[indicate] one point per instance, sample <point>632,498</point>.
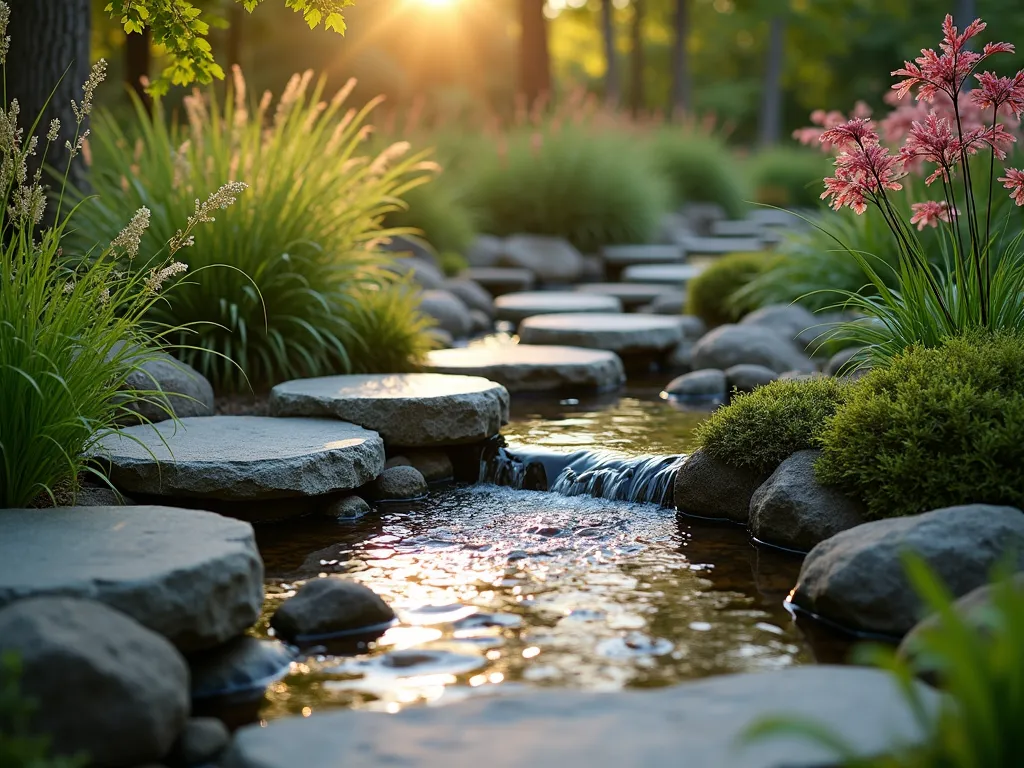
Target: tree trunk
<point>137,61</point>
<point>612,93</point>
<point>46,37</point>
<point>637,95</point>
<point>771,97</point>
<point>236,20</point>
<point>966,12</point>
<point>534,58</point>
<point>680,61</point>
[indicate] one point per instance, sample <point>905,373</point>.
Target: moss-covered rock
<point>710,294</point>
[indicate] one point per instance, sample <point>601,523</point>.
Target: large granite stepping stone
<point>533,368</point>
<point>412,409</point>
<point>737,228</point>
<point>501,280</point>
<point>194,577</point>
<point>694,724</point>
<point>242,458</point>
<point>631,295</point>
<point>623,334</point>
<point>626,255</point>
<point>719,246</point>
<point>516,307</point>
<point>671,275</point>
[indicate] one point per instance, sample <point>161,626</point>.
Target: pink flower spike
<point>862,172</point>
<point>859,130</point>
<point>1014,181</point>
<point>994,92</point>
<point>991,48</point>
<point>930,213</point>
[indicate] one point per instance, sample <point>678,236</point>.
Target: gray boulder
<point>485,251</point>
<point>482,324</point>
<point>241,669</point>
<point>413,247</point>
<point>177,389</point>
<point>704,384</point>
<point>680,359</point>
<point>672,303</point>
<point>423,272</point>
<point>747,378</point>
<point>472,294</point>
<point>202,741</point>
<point>551,259</point>
<point>440,338</point>
<point>793,510</point>
<point>693,327</point>
<point>450,313</point>
<point>730,345</point>
<point>432,464</point>
<point>857,580</point>
<point>105,685</point>
<point>348,507</point>
<point>838,362</point>
<point>330,606</point>
<point>399,483</point>
<point>707,487</point>
<point>788,320</point>
<point>593,270</point>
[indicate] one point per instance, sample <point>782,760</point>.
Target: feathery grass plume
<point>275,286</point>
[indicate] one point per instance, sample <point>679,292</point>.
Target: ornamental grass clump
<point>72,331</point>
<point>276,285</point>
<point>699,168</point>
<point>935,428</point>
<point>972,284</point>
<point>715,294</point>
<point>760,429</point>
<point>787,177</point>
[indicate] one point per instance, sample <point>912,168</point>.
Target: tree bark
<point>534,58</point>
<point>612,91</point>
<point>137,62</point>
<point>636,90</point>
<point>680,61</point>
<point>236,20</point>
<point>771,97</point>
<point>50,47</point>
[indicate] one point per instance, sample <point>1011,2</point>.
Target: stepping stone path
<point>631,295</point>
<point>672,275</point>
<point>194,577</point>
<point>623,334</point>
<point>516,307</point>
<point>501,280</point>
<point>703,721</point>
<point>242,458</point>
<point>533,368</point>
<point>718,246</point>
<point>412,410</point>
<point>738,228</point>
<point>627,255</point>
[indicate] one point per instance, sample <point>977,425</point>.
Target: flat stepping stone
<point>670,275</point>
<point>623,334</point>
<point>718,246</point>
<point>242,458</point>
<point>700,723</point>
<point>631,295</point>
<point>516,307</point>
<point>625,255</point>
<point>413,410</point>
<point>194,577</point>
<point>533,368</point>
<point>501,280</point>
<point>737,228</point>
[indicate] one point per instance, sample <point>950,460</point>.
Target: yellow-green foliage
<point>936,428</point>
<point>710,295</point>
<point>700,169</point>
<point>759,430</point>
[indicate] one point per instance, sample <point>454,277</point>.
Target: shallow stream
<point>497,588</point>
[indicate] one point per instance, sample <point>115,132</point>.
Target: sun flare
<point>437,3</point>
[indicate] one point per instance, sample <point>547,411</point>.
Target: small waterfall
<point>602,474</point>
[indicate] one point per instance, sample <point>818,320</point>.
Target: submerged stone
<point>241,668</point>
<point>534,368</point>
<point>242,458</point>
<point>400,483</point>
<point>330,606</point>
<point>413,409</point>
<point>194,577</point>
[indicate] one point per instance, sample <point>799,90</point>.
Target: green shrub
<point>935,428</point>
<point>277,276</point>
<point>789,177</point>
<point>438,215</point>
<point>760,429</point>
<point>592,188</point>
<point>700,169</point>
<point>388,323</point>
<point>712,295</point>
<point>453,264</point>
<point>19,746</point>
<point>71,334</point>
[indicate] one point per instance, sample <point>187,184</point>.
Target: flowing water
<point>498,588</point>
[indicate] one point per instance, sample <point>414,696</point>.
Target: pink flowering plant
<point>971,284</point>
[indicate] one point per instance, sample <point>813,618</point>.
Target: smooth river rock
<point>399,483</point>
<point>697,724</point>
<point>416,410</point>
<point>787,320</point>
<point>194,577</point>
<point>730,345</point>
<point>533,367</point>
<point>177,388</point>
<point>330,606</point>
<point>707,487</point>
<point>449,312</point>
<point>551,259</point>
<point>706,384</point>
<point>856,579</point>
<point>516,307</point>
<point>747,378</point>
<point>622,334</point>
<point>793,510</point>
<point>103,684</point>
<point>242,458</point>
<point>472,294</point>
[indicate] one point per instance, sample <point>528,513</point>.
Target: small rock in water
<point>348,508</point>
<point>399,484</point>
<point>397,461</point>
<point>634,644</point>
<point>330,606</point>
<point>201,742</point>
<point>242,667</point>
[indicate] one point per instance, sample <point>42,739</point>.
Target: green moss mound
<point>789,177</point>
<point>711,295</point>
<point>761,429</point>
<point>938,427</point>
<point>700,169</point>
